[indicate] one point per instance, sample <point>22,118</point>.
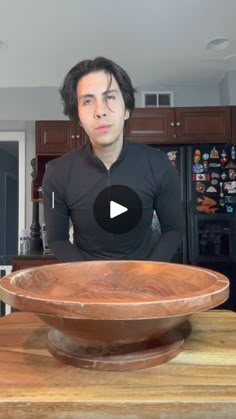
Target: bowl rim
<point>205,299</point>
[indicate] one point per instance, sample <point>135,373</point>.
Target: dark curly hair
<point>68,88</point>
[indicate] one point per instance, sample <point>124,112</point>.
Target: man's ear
<point>127,114</point>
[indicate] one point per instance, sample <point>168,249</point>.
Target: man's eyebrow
<point>110,91</point>
<point>87,95</point>
<point>90,95</point>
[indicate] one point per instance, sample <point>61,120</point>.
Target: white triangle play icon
<point>116,209</point>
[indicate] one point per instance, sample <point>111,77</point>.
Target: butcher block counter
<point>199,383</point>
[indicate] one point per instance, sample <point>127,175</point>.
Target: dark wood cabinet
<point>58,137</point>
<point>53,139</point>
<point>180,125</point>
<point>152,125</point>
<point>203,125</point>
<point>233,124</point>
<point>40,167</point>
<point>196,125</point>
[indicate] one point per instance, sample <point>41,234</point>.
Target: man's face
<point>101,108</point>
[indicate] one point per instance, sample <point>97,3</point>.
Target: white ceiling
<point>157,41</point>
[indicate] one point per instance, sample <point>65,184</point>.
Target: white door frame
<point>18,136</point>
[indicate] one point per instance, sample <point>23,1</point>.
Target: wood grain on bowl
<point>115,314</point>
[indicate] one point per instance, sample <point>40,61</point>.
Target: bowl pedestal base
<point>116,356</point>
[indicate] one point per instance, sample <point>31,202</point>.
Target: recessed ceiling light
<point>218,44</point>
<point>3,44</point>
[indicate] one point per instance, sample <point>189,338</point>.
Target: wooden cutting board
<point>199,383</point>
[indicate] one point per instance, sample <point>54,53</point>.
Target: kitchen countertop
<point>35,256</point>
<point>199,383</point>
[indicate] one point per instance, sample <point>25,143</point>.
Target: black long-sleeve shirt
<point>76,179</point>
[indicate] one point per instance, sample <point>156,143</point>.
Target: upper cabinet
<point>233,122</point>
<point>58,137</point>
<point>180,125</point>
<point>53,138</point>
<point>147,125</point>
<point>201,125</point>
<point>151,125</point>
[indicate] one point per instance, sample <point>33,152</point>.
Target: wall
<point>232,87</point>
<point>42,103</point>
<point>224,91</point>
<point>30,104</point>
<point>227,89</point>
<point>186,95</point>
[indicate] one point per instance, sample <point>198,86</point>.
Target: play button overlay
<point>118,209</point>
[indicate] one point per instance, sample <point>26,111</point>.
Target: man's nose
<point>101,109</point>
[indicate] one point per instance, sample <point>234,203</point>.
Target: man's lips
<point>103,128</point>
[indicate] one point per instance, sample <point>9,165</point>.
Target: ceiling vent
<point>157,99</point>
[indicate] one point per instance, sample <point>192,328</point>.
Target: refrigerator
<point>207,174</point>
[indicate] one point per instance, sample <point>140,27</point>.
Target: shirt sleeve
<point>170,213</point>
<point>56,215</point>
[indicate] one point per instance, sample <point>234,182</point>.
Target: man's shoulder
<point>132,145</point>
<point>67,159</point>
<point>152,153</point>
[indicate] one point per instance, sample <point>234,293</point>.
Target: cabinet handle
<point>73,137</point>
<point>78,136</point>
<point>44,138</point>
<point>172,124</point>
<point>178,124</point>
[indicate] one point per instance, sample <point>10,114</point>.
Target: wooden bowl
<point>115,315</point>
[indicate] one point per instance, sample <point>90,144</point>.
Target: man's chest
<point>82,192</point>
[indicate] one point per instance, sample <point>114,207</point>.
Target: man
<point>79,185</point>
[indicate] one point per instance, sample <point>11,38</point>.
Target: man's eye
<point>87,101</point>
<point>111,97</point>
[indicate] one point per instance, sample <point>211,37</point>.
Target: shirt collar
<point>98,162</point>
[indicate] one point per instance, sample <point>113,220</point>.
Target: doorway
<point>12,191</point>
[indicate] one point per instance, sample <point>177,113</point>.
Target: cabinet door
<point>203,125</point>
<point>233,124</point>
<point>78,137</point>
<point>55,137</point>
<point>151,125</point>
